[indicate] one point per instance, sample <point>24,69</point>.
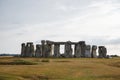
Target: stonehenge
<point>52,49</point>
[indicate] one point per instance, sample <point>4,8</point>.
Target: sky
<point>94,21</point>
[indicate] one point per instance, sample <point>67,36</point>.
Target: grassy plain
<point>12,68</point>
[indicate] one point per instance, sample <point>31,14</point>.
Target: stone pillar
<point>32,50</point>
<point>47,51</point>
<point>83,47</point>
<point>105,52</point>
<point>68,49</point>
<point>87,51</point>
<point>49,45</point>
<point>23,53</point>
<point>56,50</point>
<point>43,48</point>
<point>27,50</point>
<point>93,53</point>
<point>77,50</point>
<point>102,52</point>
<point>38,52</point>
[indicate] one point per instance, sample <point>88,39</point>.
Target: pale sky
<point>95,21</point>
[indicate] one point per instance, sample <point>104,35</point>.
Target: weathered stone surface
<point>38,51</point>
<point>93,53</point>
<point>43,48</point>
<point>77,50</point>
<point>88,51</point>
<point>49,44</point>
<point>102,52</point>
<point>47,50</point>
<point>105,52</point>
<point>56,50</point>
<point>32,50</point>
<point>23,52</point>
<point>83,47</point>
<point>29,50</point>
<point>68,49</point>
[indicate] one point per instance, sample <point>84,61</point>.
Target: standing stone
<point>23,53</point>
<point>56,50</point>
<point>47,51</point>
<point>93,53</point>
<point>31,50</point>
<point>87,51</point>
<point>83,47</point>
<point>27,50</point>
<point>43,48</point>
<point>38,52</point>
<point>77,50</point>
<point>49,45</point>
<point>105,52</point>
<point>102,52</point>
<point>68,49</point>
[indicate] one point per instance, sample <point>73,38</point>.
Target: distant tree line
<point>114,56</point>
<point>7,54</point>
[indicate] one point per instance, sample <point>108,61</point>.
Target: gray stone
<point>38,52</point>
<point>68,49</point>
<point>93,53</point>
<point>29,49</point>
<point>102,52</point>
<point>32,50</point>
<point>77,50</point>
<point>87,51</point>
<point>83,47</point>
<point>49,44</point>
<point>56,50</point>
<point>43,48</point>
<point>47,50</point>
<point>23,52</point>
<point>105,52</point>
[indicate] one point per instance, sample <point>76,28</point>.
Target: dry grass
<point>60,69</point>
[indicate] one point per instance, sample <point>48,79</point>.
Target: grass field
<point>12,68</point>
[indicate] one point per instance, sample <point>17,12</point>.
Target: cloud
<point>114,41</point>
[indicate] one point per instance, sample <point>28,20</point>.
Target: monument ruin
<point>52,49</point>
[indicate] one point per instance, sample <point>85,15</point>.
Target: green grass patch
<point>45,60</point>
<point>9,77</point>
<point>18,62</point>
